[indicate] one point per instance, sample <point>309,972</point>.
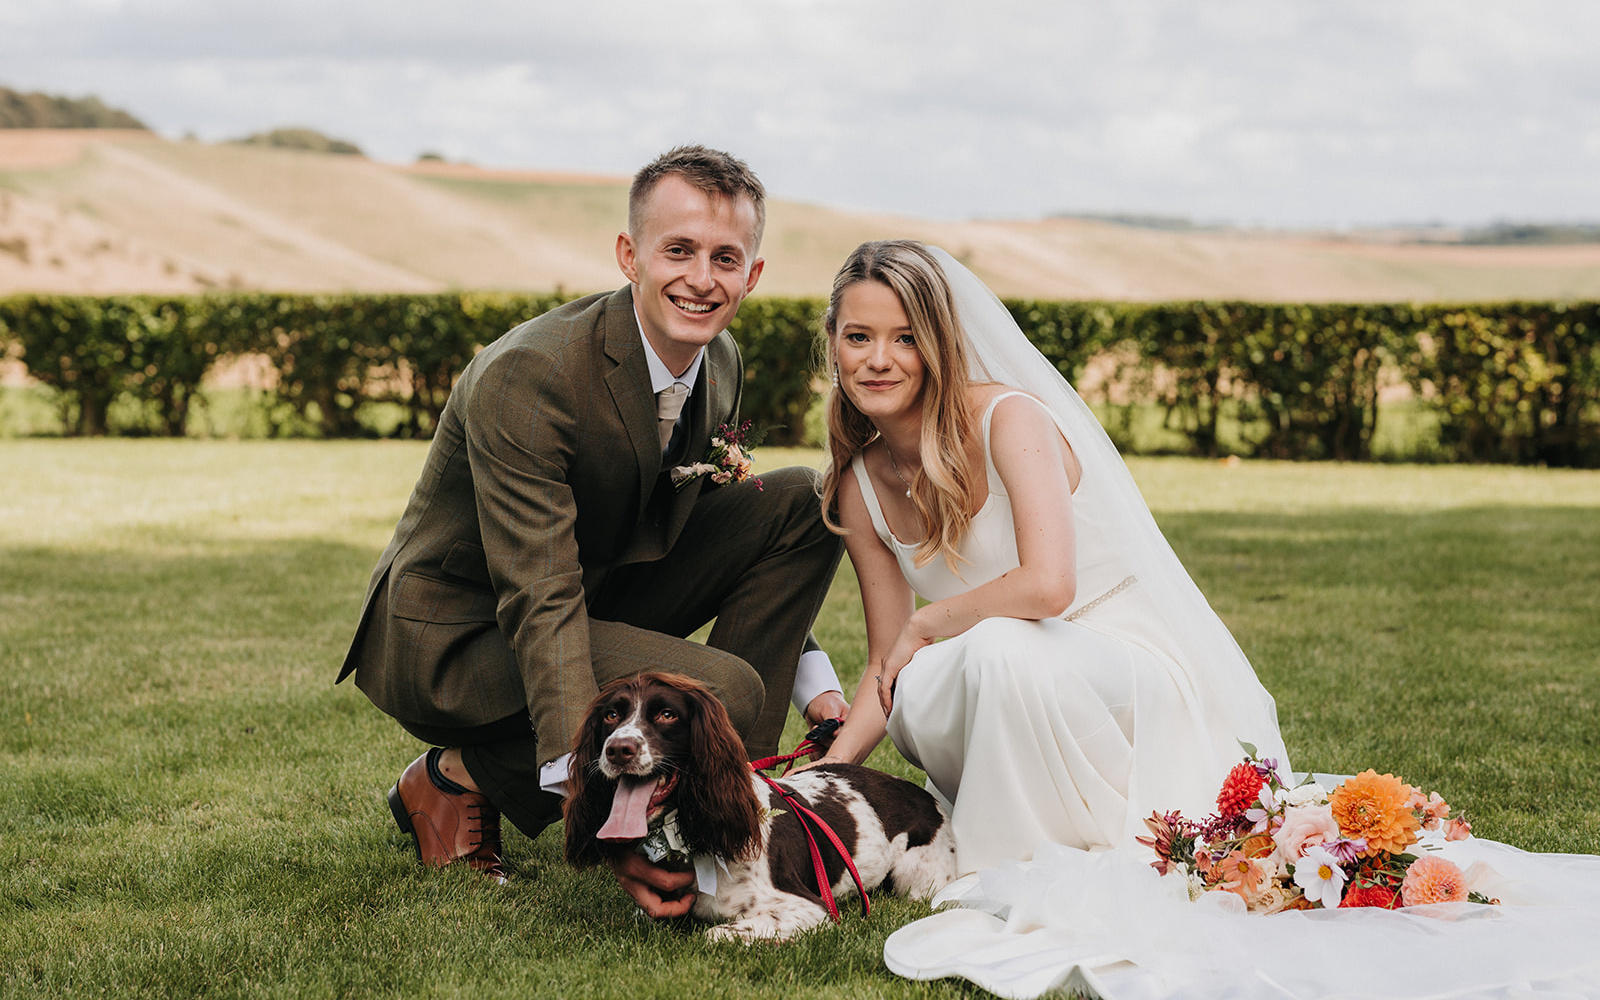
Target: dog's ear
<point>588,792</point>
<point>718,810</point>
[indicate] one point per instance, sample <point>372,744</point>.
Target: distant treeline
<point>1494,234</point>
<point>307,139</point>
<point>39,110</point>
<point>1137,220</point>
<point>1498,382</point>
<point>1513,233</point>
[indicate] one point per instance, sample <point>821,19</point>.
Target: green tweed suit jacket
<point>543,476</point>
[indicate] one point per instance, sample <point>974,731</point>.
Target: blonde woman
<point>1065,677</point>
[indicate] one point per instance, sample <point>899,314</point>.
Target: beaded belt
<point>1127,582</point>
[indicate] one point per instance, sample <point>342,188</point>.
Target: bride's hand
<point>905,647</point>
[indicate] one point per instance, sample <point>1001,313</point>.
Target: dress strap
<point>858,465</point>
<point>996,487</point>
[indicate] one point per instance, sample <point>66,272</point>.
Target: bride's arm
<point>1032,459</point>
<point>886,600</point>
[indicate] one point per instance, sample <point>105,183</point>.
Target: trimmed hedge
<point>1505,382</point>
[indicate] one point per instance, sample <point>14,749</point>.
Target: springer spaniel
<point>657,744</point>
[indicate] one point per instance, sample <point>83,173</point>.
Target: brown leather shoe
<point>448,822</point>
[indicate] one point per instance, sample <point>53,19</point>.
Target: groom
<point>545,551</point>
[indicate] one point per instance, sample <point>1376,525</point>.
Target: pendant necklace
<point>896,467</point>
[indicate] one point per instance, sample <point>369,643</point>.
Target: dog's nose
<point>620,753</point>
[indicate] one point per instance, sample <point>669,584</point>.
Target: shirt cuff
<point>553,776</point>
<point>813,675</point>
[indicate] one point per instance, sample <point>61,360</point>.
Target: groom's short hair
<point>710,170</point>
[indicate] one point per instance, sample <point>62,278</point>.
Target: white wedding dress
<point>1051,741</point>
<point>1071,729</point>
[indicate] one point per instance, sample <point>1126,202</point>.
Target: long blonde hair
<point>941,488</point>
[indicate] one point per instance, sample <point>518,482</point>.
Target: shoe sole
<point>402,818</point>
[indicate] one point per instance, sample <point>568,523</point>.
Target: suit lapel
<point>629,384</point>
<point>714,395</point>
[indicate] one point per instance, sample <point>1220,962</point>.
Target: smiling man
<point>545,550</point>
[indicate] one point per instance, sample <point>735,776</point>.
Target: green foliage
<point>1532,234</point>
<point>1070,334</point>
<point>1516,382</point>
<point>1505,382</point>
<point>1310,374</point>
<point>95,350</point>
<point>778,340</point>
<point>40,110</point>
<point>305,139</point>
<point>1501,382</point>
<point>1299,381</point>
<point>333,358</point>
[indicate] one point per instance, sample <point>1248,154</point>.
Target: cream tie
<point>669,403</point>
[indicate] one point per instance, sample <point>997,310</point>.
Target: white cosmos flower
<point>1319,876</point>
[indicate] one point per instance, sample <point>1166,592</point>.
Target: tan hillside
<point>105,211</point>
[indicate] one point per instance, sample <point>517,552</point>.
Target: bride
<point>1083,680</point>
<point>1065,679</point>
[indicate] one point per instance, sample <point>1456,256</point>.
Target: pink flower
<point>1264,811</point>
<point>1432,807</point>
<point>1303,827</point>
<point>1457,829</point>
<point>1432,879</point>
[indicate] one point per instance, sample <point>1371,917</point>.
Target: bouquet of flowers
<point>726,461</point>
<point>1281,848</point>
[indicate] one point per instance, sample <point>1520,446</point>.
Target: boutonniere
<point>726,461</point>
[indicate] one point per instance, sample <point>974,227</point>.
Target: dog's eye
<point>612,715</point>
<point>667,715</point>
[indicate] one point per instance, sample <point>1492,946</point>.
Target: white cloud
<point>1255,110</point>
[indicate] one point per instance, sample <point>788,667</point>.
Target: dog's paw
<point>748,930</point>
<point>744,931</point>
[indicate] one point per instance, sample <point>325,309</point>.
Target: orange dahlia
<point>1432,879</point>
<point>1257,845</point>
<point>1239,790</point>
<point>1375,807</point>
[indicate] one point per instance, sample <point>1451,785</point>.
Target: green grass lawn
<point>188,806</point>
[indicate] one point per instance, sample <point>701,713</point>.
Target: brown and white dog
<point>658,743</point>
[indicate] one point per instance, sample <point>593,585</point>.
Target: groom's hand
<point>827,705</point>
<point>660,892</point>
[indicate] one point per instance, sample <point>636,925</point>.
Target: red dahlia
<point>1239,790</point>
<point>1371,895</point>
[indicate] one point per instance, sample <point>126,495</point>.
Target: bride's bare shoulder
<point>981,394</point>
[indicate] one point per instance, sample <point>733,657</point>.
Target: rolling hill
<point>124,210</point>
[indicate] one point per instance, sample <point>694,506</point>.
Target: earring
<point>836,376</point>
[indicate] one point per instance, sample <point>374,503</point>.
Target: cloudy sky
<point>1264,112</point>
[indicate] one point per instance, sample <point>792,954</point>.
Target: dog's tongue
<point>630,808</point>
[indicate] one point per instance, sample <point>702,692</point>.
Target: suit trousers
<point>755,560</point>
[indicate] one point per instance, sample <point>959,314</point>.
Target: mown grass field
<point>189,807</point>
